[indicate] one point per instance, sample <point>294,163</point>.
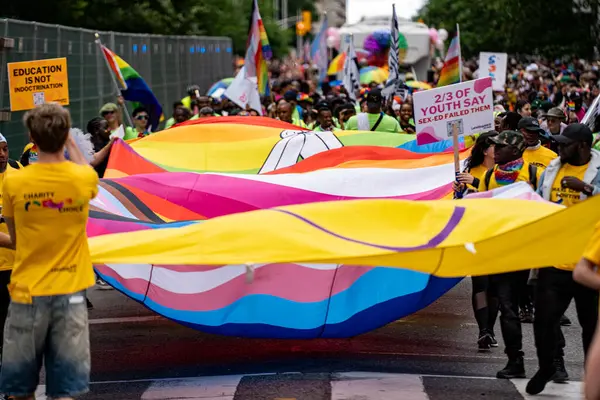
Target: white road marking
<point>344,386</point>
<point>205,388</point>
<point>104,321</point>
<point>563,391</point>
<point>367,385</point>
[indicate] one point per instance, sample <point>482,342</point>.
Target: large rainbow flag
<point>133,86</point>
<point>296,251</point>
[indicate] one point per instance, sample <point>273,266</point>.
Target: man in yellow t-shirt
<point>535,153</point>
<point>7,256</point>
<point>46,209</point>
<point>568,180</point>
<point>586,273</point>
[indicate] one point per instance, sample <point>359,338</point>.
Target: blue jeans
<point>53,330</point>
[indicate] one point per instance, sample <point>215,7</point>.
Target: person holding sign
<point>484,300</point>
<point>510,168</point>
<point>568,180</point>
<point>374,119</point>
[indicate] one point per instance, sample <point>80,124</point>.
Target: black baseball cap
<point>374,97</point>
<point>575,133</point>
<point>530,124</point>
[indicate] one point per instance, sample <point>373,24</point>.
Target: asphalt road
<point>138,355</point>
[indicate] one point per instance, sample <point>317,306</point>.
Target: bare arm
<point>585,274</point>
<point>100,156</point>
<point>9,241</point>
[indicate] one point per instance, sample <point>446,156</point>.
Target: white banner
<point>469,105</point>
<point>494,66</point>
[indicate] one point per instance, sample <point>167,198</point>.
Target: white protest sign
<point>494,66</point>
<point>468,105</point>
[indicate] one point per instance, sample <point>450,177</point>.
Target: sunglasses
<point>107,113</point>
<point>141,117</point>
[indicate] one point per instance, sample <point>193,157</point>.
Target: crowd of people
<point>538,139</point>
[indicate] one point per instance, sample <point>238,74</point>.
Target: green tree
<point>168,17</point>
<point>552,28</point>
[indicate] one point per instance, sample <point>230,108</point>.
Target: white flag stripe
<point>243,91</point>
<point>351,79</point>
<point>393,62</point>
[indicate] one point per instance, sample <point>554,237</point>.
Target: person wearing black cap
<point>535,153</point>
<point>374,119</point>
<point>568,180</point>
<point>539,156</point>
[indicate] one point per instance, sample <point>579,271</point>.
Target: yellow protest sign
<point>32,83</point>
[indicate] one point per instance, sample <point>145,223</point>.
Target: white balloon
<point>442,34</point>
<point>439,44</point>
<point>330,42</point>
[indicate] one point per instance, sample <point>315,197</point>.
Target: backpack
<point>532,176</point>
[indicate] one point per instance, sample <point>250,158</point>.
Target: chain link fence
<point>168,64</point>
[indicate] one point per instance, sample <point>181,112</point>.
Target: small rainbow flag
<point>258,51</point>
<point>450,73</point>
<point>133,87</point>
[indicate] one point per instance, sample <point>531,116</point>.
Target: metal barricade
<point>168,64</point>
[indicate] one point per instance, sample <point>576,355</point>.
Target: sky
<point>359,8</point>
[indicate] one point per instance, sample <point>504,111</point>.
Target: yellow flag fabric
<point>442,238</point>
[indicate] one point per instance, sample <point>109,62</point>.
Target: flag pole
<point>114,79</point>
<point>460,68</point>
<point>455,143</point>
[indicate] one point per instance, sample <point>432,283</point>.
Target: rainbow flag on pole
<point>133,87</point>
<point>258,51</point>
<point>451,71</point>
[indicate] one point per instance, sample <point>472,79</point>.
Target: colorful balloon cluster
<point>334,38</point>
<point>438,37</point>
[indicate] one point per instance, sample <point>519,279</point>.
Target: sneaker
<point>494,342</point>
<point>561,375</point>
<point>484,342</point>
<point>514,369</point>
<point>565,321</point>
<point>103,285</point>
<point>537,384</point>
<point>526,316</point>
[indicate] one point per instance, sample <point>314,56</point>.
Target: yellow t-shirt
<point>592,250</point>
<point>522,177</point>
<point>479,173</point>
<point>564,196</point>
<point>7,256</point>
<point>540,157</point>
<point>49,205</point>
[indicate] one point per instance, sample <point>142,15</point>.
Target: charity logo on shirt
<point>47,200</point>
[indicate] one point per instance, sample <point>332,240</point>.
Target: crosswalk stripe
<point>334,386</point>
<point>570,391</point>
<point>205,388</point>
<point>366,385</point>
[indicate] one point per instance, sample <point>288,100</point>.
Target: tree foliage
<point>551,28</point>
<point>167,17</point>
